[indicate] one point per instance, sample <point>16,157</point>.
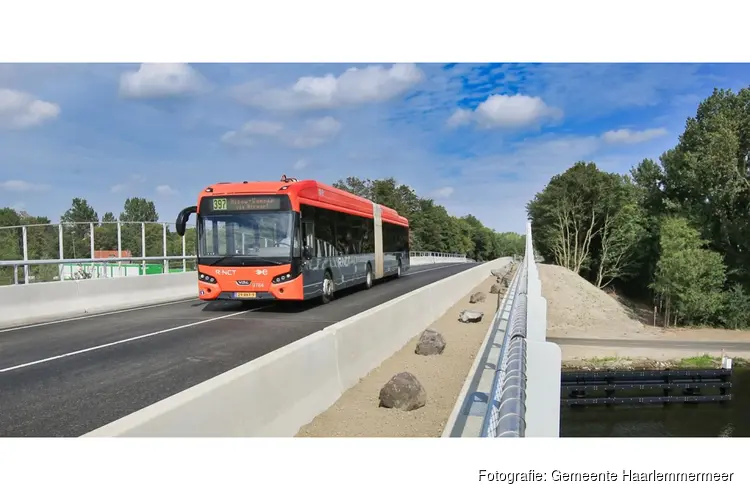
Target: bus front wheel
<point>327,288</point>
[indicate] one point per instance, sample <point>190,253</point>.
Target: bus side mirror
<point>182,219</point>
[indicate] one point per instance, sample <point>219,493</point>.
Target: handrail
<point>506,408</point>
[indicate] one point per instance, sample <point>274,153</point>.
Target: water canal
<point>730,419</point>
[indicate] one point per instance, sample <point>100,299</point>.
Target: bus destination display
<point>245,203</point>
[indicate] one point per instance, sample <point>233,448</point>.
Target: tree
<point>568,214</point>
<point>140,210</point>
<point>689,278</point>
<point>77,233</point>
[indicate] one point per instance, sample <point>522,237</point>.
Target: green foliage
<point>432,227</point>
<point>675,230</point>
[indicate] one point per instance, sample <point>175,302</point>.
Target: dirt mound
<point>576,308</point>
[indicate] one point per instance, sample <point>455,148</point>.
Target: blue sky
<point>479,138</point>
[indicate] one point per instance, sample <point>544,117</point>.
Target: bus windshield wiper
<point>272,262</point>
<point>222,259</point>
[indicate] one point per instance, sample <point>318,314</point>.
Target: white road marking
<point>123,341</point>
<point>152,334</point>
<point>97,315</point>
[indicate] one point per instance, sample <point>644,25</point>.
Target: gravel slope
<point>356,413</point>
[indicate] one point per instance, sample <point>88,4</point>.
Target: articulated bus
<point>292,240</point>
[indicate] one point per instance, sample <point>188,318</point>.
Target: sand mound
<point>576,308</point>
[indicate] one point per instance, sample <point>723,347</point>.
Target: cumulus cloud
<point>300,164</point>
<point>159,80</point>
<point>165,190</point>
<point>128,185</point>
<point>628,136</point>
<point>22,186</point>
<point>310,134</point>
<point>443,192</point>
<point>19,110</point>
<point>506,111</point>
<point>355,86</point>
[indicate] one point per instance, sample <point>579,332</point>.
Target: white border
<point>383,31</point>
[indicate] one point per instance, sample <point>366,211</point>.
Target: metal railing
<point>48,252</point>
<point>505,416</point>
<point>38,253</point>
<point>437,254</point>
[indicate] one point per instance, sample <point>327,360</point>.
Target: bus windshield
<point>248,234</point>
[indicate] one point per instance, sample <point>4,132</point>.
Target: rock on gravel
<point>496,288</point>
<point>403,392</point>
<point>470,316</point>
<point>358,412</point>
<point>477,297</point>
<point>499,273</point>
<point>430,343</point>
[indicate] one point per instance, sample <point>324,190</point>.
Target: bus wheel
<point>327,288</point>
<point>368,278</point>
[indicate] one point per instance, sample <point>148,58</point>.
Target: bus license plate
<point>244,295</point>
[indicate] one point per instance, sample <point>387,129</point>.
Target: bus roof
<point>311,191</point>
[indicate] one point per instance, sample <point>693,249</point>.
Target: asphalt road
<point>67,378</point>
<point>693,345</point>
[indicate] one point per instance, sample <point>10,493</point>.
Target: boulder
<point>403,392</point>
<point>499,273</point>
<point>496,288</point>
<point>430,343</point>
<point>477,297</point>
<point>470,316</point>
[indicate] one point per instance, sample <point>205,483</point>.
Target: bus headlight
<point>281,278</point>
<point>207,278</point>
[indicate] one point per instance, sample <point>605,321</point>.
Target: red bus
<point>292,240</point>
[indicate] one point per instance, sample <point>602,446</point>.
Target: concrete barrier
<point>40,302</point>
<point>280,392</point>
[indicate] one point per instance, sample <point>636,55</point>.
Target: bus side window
<point>308,236</point>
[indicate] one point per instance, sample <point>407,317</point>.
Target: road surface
<point>69,377</point>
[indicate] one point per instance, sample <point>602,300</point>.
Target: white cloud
<point>165,190</point>
<point>22,186</point>
<point>19,110</point>
<point>507,111</point>
<point>355,86</point>
<point>312,133</point>
<point>627,136</point>
<point>157,80</point>
<point>129,184</point>
<point>443,192</point>
<point>300,164</point>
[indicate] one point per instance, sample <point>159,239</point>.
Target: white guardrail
<point>525,397</point>
<point>513,389</point>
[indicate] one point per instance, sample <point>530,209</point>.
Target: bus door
<point>312,264</point>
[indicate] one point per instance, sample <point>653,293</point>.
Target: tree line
<point>674,232</point>
<point>432,229</point>
<point>43,242</point>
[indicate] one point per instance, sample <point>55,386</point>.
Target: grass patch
<point>704,361</point>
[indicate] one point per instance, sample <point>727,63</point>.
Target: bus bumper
<point>288,290</point>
